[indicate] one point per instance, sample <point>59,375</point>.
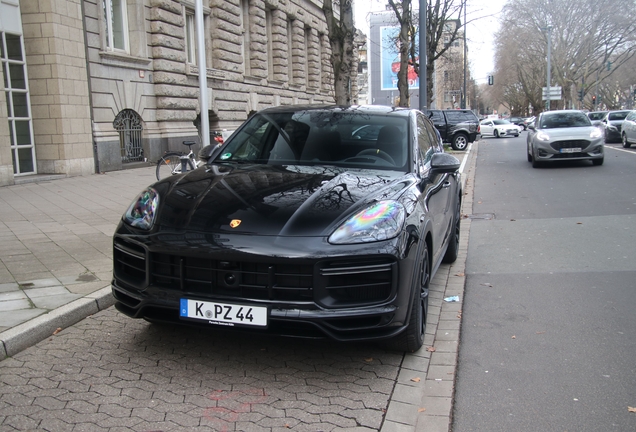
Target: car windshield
<point>319,137</point>
<point>596,115</point>
<point>501,122</point>
<point>618,115</point>
<point>564,120</point>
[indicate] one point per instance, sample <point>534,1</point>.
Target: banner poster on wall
<point>390,60</point>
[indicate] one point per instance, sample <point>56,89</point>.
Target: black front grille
<point>250,280</point>
<point>332,283</point>
<point>569,144</point>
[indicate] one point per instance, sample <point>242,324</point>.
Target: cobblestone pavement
<point>112,373</point>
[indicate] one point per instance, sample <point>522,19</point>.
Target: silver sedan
<point>564,135</point>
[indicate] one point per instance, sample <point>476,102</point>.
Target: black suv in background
<point>457,127</point>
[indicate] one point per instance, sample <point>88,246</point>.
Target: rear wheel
<point>412,338</point>
<point>170,164</point>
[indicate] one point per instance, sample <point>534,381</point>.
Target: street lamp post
<point>547,102</point>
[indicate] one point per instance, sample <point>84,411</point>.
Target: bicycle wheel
<point>170,164</point>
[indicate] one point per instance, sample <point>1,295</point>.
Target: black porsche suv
<point>457,127</point>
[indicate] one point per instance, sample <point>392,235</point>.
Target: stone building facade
<point>109,84</point>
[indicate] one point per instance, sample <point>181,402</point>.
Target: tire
<point>597,162</point>
<point>412,338</point>
<point>535,163</point>
<point>170,164</point>
<point>626,144</point>
<point>528,153</point>
<point>453,242</point>
<point>496,133</point>
<point>460,142</point>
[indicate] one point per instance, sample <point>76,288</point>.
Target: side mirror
<point>531,126</point>
<point>444,163</point>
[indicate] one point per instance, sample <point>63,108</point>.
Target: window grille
<point>128,124</point>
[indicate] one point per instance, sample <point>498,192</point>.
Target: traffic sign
<point>555,93</point>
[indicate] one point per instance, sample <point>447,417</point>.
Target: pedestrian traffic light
<point>491,79</point>
<point>594,100</point>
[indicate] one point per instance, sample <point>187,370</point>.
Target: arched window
<point>128,124</point>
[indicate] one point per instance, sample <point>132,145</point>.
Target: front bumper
<point>569,150</point>
<point>363,293</point>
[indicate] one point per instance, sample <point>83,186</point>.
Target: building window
<point>116,20</point>
<point>290,57</point>
<point>190,39</point>
<point>270,44</point>
<point>307,48</point>
<point>18,103</point>
<point>128,124</point>
<point>245,22</point>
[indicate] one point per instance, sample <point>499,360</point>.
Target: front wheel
<point>597,162</point>
<point>460,142</point>
<point>626,144</point>
<point>170,164</point>
<point>496,133</point>
<point>412,338</point>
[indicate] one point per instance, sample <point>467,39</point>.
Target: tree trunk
<point>341,39</point>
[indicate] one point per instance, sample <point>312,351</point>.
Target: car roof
<point>362,109</point>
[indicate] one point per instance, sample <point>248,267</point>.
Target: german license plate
<point>224,314</point>
<point>571,150</point>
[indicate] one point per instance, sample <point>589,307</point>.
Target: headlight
<point>596,133</point>
<point>542,136</point>
<point>382,220</point>
<point>141,213</point>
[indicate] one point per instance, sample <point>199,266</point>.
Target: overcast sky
<point>483,16</point>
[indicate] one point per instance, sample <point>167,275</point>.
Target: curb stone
<point>25,335</point>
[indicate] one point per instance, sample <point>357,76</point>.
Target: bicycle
<point>174,162</point>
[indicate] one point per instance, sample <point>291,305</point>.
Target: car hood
<point>271,200</point>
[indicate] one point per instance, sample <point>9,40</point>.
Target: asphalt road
<point>548,340</point>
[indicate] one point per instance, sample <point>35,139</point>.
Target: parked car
<point>596,117</point>
<point>298,225</point>
<point>457,127</point>
<point>628,130</point>
<point>499,128</point>
<point>611,125</point>
<point>564,135</point>
<point>519,121</point>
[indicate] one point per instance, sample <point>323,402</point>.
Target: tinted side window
<point>460,116</point>
<point>436,116</point>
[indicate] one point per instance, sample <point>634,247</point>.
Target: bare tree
<point>402,10</point>
<point>443,29</point>
<point>341,38</point>
<point>588,46</point>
